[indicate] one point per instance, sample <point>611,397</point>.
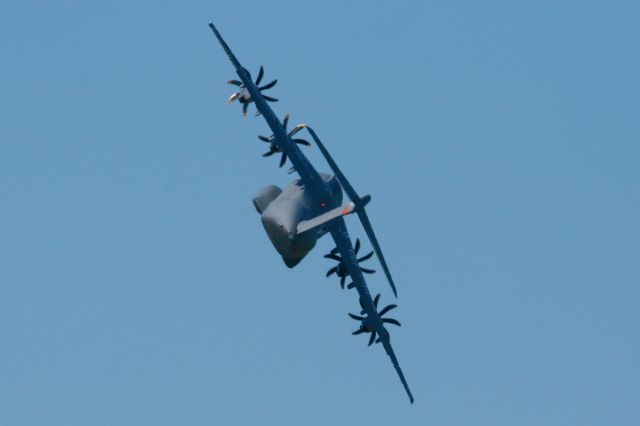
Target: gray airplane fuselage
<point>282,210</point>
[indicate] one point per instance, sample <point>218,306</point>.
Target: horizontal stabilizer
<point>307,225</point>
<point>359,202</point>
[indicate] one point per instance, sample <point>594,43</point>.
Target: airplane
<point>311,206</point>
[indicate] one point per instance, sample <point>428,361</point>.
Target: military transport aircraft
<point>311,206</point>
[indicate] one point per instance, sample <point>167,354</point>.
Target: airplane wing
<point>340,235</point>
<point>308,174</point>
<point>333,218</point>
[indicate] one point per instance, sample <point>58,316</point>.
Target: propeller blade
<point>268,85</point>
<point>264,138</point>
<point>332,271</point>
<point>356,317</point>
<point>268,153</point>
<point>335,250</point>
<point>367,257</point>
<point>302,142</point>
<point>233,97</point>
<point>333,256</point>
<point>235,82</point>
<point>342,280</point>
<point>387,309</point>
<point>269,98</point>
<point>245,107</point>
<point>296,129</point>
<point>367,271</point>
<point>285,122</point>
<point>357,248</point>
<point>391,321</point>
<point>358,331</point>
<point>376,300</point>
<point>372,338</point>
<point>350,285</point>
<point>283,159</point>
<point>260,74</point>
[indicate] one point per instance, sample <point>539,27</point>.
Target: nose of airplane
<point>278,233</point>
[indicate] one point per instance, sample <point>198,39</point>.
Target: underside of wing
<point>373,320</point>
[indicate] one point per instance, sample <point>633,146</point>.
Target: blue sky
<point>500,142</point>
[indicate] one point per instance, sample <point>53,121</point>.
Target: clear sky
<point>500,142</point>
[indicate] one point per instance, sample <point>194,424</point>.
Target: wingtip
<point>213,28</point>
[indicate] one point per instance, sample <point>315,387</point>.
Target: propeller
<point>341,269</point>
<point>274,147</point>
<point>244,97</point>
<point>360,203</point>
<point>367,325</point>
